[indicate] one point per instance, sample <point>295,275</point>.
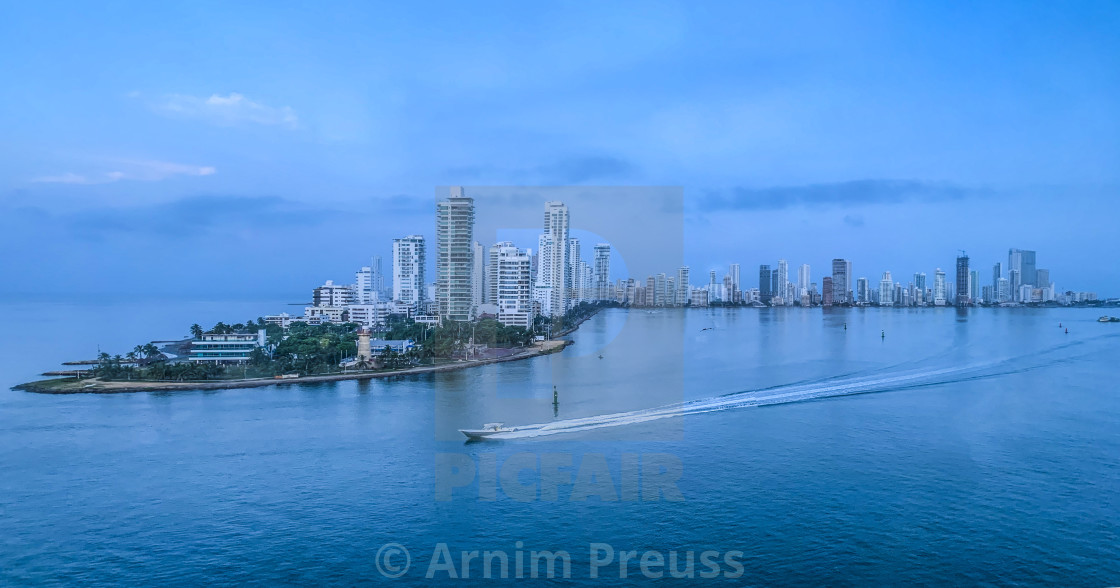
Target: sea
<point>842,446</point>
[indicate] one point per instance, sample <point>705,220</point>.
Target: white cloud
<point>144,171</point>
<point>227,110</point>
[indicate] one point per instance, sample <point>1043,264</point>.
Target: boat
<point>1109,319</point>
<point>487,430</point>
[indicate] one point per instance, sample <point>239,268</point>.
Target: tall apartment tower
<point>409,260</point>
<point>513,284</point>
<point>783,279</point>
<point>455,256</point>
<point>575,274</point>
<point>1023,260</point>
<point>940,291</point>
<point>803,279</point>
<point>684,295</point>
<point>886,290</point>
<point>555,268</point>
<point>478,277</point>
<point>963,290</point>
<point>841,281</point>
<point>602,271</point>
<point>764,288</point>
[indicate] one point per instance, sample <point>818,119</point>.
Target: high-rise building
<point>455,256</point>
<point>575,275</point>
<point>553,254</point>
<point>803,279</point>
<point>1003,290</point>
<point>974,284</point>
<point>963,291</point>
<point>886,290</point>
<point>378,276</point>
<point>478,276</point>
<point>920,281</point>
<point>736,285</point>
<point>1015,280</point>
<point>1042,279</point>
<point>603,271</point>
<point>364,291</point>
<point>513,284</point>
<point>827,290</point>
<point>683,288</point>
<point>332,294</point>
<point>764,284</point>
<point>940,291</point>
<point>491,289</point>
<point>409,260</point>
<point>863,291</point>
<point>1023,260</point>
<point>841,281</point>
<point>997,273</point>
<point>783,279</point>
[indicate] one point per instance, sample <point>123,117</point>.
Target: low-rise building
<point>226,348</point>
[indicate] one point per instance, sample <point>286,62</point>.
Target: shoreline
<point>95,386</point>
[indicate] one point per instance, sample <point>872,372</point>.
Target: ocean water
<point>842,446</point>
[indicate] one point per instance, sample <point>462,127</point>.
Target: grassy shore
<point>97,386</point>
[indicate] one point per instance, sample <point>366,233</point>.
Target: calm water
<point>986,449</point>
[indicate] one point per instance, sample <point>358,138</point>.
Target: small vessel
<point>487,430</point>
<point>1108,319</point>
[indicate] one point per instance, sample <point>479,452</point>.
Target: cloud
<point>853,220</point>
<point>850,193</point>
<point>583,169</point>
<point>229,110</point>
<point>126,169</point>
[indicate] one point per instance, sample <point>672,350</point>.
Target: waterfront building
<point>574,275</point>
<point>331,294</point>
<point>1015,278</point>
<point>940,292</point>
<point>514,285</point>
<point>974,284</point>
<point>764,283</point>
<point>1042,278</point>
<point>478,275</point>
<point>455,256</point>
<point>603,271</point>
<point>683,285</point>
<point>226,348</point>
<point>886,290</point>
<point>733,271</point>
<point>552,273</point>
<point>920,281</point>
<point>827,291</point>
<point>997,273</point>
<point>1003,290</point>
<point>803,279</point>
<point>863,291</point>
<point>962,286</point>
<point>409,262</point>
<point>841,281</point>
<point>1023,261</point>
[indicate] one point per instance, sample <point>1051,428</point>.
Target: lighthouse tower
<point>364,354</point>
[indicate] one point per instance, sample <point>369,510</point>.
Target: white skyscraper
<point>783,282</point>
<point>602,271</point>
<point>575,274</point>
<point>513,283</point>
<point>683,288</point>
<point>364,291</point>
<point>803,279</point>
<point>886,290</point>
<point>454,256</point>
<point>940,290</point>
<point>554,261</point>
<point>478,276</point>
<point>409,260</point>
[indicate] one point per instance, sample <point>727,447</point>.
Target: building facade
<point>455,285</point>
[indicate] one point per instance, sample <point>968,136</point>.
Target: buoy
<point>1067,331</point>
<point>884,334</point>
<point>555,396</point>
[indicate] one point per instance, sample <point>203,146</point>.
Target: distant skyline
<point>215,151</point>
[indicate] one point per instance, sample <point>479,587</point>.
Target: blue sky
<point>220,151</point>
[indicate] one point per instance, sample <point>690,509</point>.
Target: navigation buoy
<point>884,336</point>
<point>1067,331</point>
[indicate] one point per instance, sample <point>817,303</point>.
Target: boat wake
<point>800,392</point>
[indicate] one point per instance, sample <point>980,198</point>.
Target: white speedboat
<point>487,430</point>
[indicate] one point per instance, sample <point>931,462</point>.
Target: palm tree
<point>139,351</point>
<point>196,331</point>
<point>131,356</point>
<point>150,350</point>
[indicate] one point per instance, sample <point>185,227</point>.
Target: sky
<point>216,151</point>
